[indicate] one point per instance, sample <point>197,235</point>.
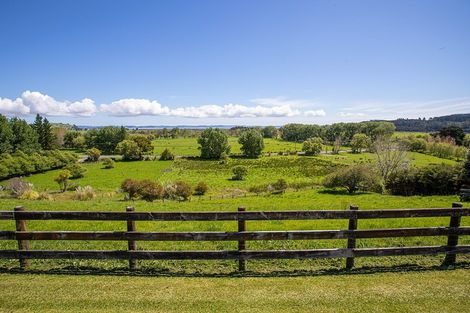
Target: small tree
<point>337,145</point>
<point>76,170</point>
<point>93,154</point>
<point>201,188</point>
<point>465,174</point>
<point>239,172</point>
<point>167,155</point>
<point>360,142</point>
<point>129,150</point>
<point>391,155</point>
<point>144,143</point>
<point>252,143</point>
<point>454,132</point>
<point>108,163</point>
<point>63,179</point>
<point>312,146</point>
<point>213,143</point>
<point>353,178</point>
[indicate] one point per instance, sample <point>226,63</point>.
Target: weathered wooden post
<point>131,244</point>
<point>352,239</point>
<point>453,240</point>
<point>23,245</point>
<point>241,243</point>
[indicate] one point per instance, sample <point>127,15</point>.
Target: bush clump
<point>434,179</point>
<point>200,189</point>
<point>93,154</point>
<point>30,195</point>
<point>84,193</point>
<point>279,186</point>
<point>108,163</point>
<point>353,178</point>
<point>150,190</point>
<point>167,155</point>
<point>18,187</point>
<point>312,146</point>
<point>76,170</point>
<point>239,172</point>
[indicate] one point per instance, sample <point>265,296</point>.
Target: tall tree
<point>6,135</point>
<point>47,137</point>
<point>24,136</point>
<point>252,143</point>
<point>213,143</point>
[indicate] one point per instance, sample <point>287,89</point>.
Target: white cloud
<point>13,107</point>
<point>315,113</point>
<point>32,102</point>
<point>132,107</point>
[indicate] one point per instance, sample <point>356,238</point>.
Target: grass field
<point>386,284</point>
<point>419,291</point>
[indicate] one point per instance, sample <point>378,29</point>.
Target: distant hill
<point>433,124</point>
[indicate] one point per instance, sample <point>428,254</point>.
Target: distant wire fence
<point>132,236</point>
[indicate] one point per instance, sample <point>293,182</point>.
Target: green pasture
<point>413,291</point>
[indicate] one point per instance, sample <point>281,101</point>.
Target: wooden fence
<point>24,253</point>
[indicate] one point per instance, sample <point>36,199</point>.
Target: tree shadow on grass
<point>149,272</point>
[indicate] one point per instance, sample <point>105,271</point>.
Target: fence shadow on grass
<point>149,272</point>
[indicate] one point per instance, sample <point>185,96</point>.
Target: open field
<point>407,283</point>
<point>426,291</point>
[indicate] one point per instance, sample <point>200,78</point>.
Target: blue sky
<point>233,62</point>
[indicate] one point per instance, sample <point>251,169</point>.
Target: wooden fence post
<point>241,243</point>
<point>22,244</point>
<point>351,240</point>
<point>131,244</point>
<point>453,240</point>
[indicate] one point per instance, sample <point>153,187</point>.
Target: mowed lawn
<point>413,291</point>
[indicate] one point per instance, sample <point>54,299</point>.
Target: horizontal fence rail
<point>132,236</point>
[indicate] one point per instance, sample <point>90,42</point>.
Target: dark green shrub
<point>108,163</point>
<point>280,185</point>
<point>167,155</point>
<point>353,178</point>
<point>239,172</point>
<point>434,179</point>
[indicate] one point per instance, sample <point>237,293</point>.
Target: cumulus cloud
<point>315,113</point>
<point>131,107</point>
<point>13,107</point>
<point>32,102</point>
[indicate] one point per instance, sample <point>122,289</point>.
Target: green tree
<point>24,136</point>
<point>312,146</point>
<point>239,172</point>
<point>270,132</point>
<point>63,179</point>
<point>252,143</point>
<point>359,142</point>
<point>145,144</point>
<point>6,135</point>
<point>106,138</point>
<point>129,150</point>
<point>93,154</point>
<point>47,137</point>
<point>213,143</point>
<point>454,132</point>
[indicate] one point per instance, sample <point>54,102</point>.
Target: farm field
<point>282,284</point>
